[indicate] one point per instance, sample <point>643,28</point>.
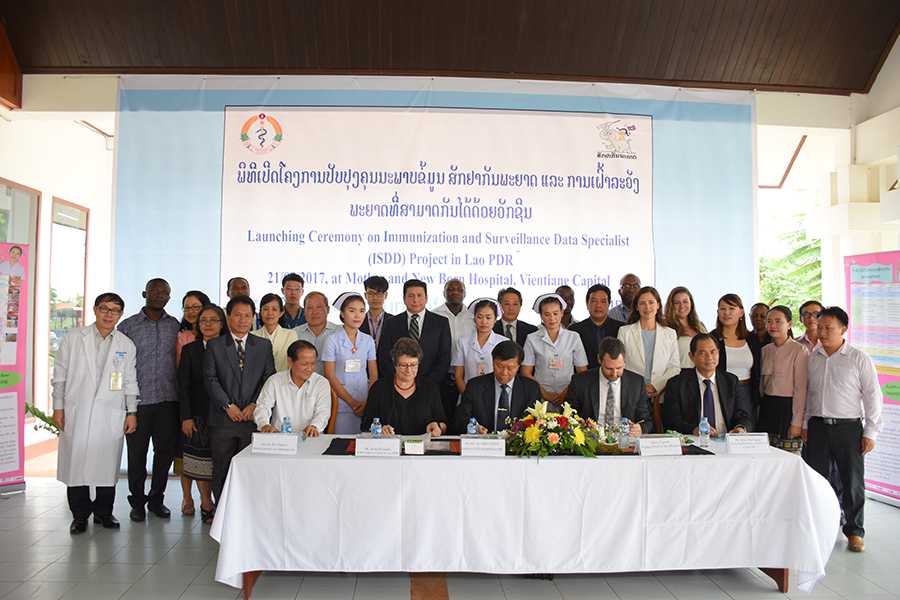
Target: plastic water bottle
<point>375,428</point>
<point>286,426</point>
<point>472,427</point>
<point>624,428</point>
<point>703,428</point>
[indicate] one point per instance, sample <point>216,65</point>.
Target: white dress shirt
<point>719,421</point>
<point>844,386</point>
<point>309,404</point>
<point>461,325</point>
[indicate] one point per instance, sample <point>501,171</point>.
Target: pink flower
<point>553,438</point>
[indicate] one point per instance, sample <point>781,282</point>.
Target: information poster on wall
<point>13,342</point>
<point>873,302</point>
<point>496,198</point>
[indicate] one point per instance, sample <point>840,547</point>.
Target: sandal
<point>187,509</point>
<point>207,515</point>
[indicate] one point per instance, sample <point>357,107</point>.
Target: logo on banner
<point>616,138</point>
<point>261,133</point>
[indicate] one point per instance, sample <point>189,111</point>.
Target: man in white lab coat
<point>94,405</point>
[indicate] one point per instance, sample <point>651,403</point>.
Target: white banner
<point>526,199</point>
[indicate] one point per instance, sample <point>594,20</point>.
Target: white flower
<point>551,423</point>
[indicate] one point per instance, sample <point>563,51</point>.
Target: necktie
<point>509,331</point>
<point>609,416</point>
<point>241,354</point>
<point>502,408</point>
<point>709,406</point>
<point>414,326</point>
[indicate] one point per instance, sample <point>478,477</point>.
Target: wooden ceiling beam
<point>10,73</point>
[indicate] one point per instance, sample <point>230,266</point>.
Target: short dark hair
<point>415,283</point>
<point>784,310</point>
<point>406,346</point>
<point>202,298</point>
<point>269,298</point>
<point>377,283</point>
<point>313,295</point>
<point>550,300</point>
<point>295,348</point>
<point>291,277</point>
<point>240,300</point>
<point>349,299</point>
<point>109,297</point>
<point>509,290</point>
<point>758,304</point>
<point>598,287</point>
<point>223,326</point>
<point>232,280</point>
<point>507,350</point>
<point>807,303</point>
<point>156,280</point>
<point>611,347</point>
<point>837,312</point>
<point>699,338</point>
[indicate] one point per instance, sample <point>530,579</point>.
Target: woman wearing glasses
<point>405,403</point>
<point>191,304</point>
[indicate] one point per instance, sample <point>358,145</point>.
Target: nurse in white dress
<point>553,354</point>
<point>472,353</point>
<point>349,362</point>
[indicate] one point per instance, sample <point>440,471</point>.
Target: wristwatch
<point>131,413</point>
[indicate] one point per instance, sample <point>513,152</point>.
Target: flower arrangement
<point>542,433</point>
<point>42,421</point>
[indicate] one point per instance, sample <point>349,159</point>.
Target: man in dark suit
<point>493,397</point>
<point>508,324</point>
<point>704,391</point>
<point>432,331</point>
<point>598,325</point>
<point>236,364</point>
<point>376,289</point>
<point>608,393</point>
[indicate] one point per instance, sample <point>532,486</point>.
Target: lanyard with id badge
<point>117,376</point>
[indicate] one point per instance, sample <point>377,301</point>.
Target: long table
<point>512,515</point>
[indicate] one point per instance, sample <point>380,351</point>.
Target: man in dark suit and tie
<point>236,364</point>
<point>608,393</point>
<point>508,324</point>
<point>598,325</point>
<point>704,391</point>
<point>493,397</point>
<point>431,330</point>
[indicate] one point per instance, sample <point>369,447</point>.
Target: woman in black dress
<point>405,403</point>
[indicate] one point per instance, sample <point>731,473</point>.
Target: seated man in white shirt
<point>299,393</point>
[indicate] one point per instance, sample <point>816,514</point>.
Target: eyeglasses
<point>210,321</point>
<point>192,308</point>
<point>808,313</point>
<point>409,366</point>
<point>105,310</point>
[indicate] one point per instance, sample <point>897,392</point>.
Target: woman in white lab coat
<point>94,405</point>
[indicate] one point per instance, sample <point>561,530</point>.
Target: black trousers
<point>160,423</point>
<point>840,444</point>
<point>225,441</point>
<point>81,505</point>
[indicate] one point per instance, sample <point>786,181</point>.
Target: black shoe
<point>78,526</point>
<point>160,511</point>
<point>107,521</point>
<point>138,514</point>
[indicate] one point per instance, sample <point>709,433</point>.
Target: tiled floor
<point>161,560</point>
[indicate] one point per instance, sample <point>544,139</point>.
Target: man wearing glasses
<point>292,289</point>
<point>376,288</point>
<point>94,405</point>
<point>809,315</point>
<point>628,287</point>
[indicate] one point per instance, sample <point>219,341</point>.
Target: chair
<point>334,410</point>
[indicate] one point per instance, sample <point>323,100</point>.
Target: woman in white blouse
<point>651,348</point>
<point>740,352</point>
<point>271,307</point>
<point>472,353</point>
<point>681,315</point>
<point>553,354</point>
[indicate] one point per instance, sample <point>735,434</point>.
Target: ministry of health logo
<point>261,133</point>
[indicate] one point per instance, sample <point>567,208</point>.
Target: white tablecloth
<point>512,515</point>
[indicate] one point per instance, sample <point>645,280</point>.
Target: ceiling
<point>826,46</point>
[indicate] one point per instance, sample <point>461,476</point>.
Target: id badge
<point>555,363</point>
<point>353,365</point>
<point>116,377</point>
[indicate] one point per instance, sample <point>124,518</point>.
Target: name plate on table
<point>482,445</point>
<point>383,446</point>
<point>415,445</point>
<point>747,443</point>
<point>663,445</point>
<point>275,443</point>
